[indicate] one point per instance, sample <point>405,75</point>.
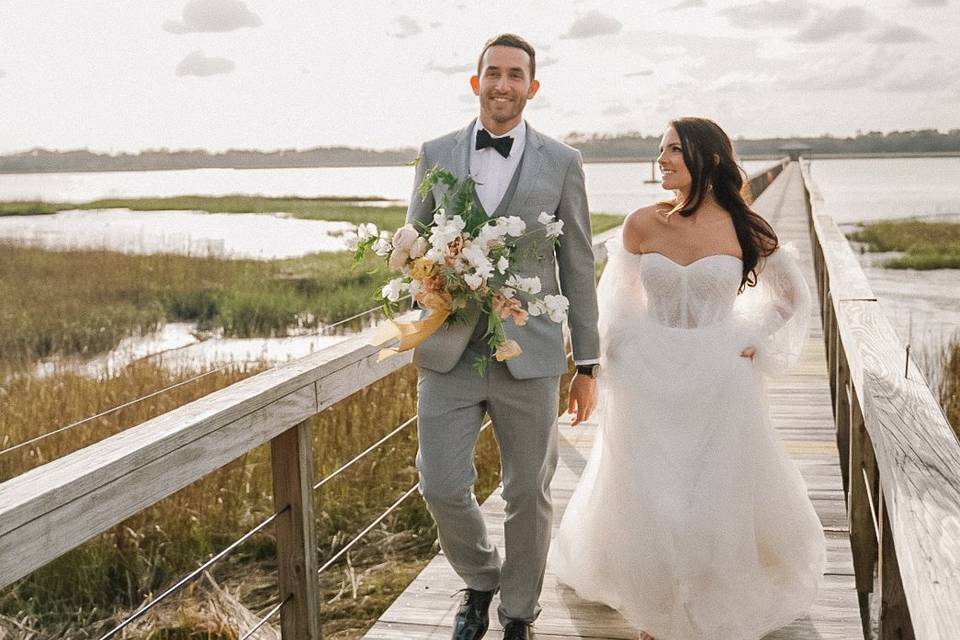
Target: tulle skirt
<point>689,517</point>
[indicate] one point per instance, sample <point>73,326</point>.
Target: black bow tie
<point>502,145</point>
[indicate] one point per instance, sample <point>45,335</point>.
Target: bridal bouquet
<point>462,256</point>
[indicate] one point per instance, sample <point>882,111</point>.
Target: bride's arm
<point>780,310</point>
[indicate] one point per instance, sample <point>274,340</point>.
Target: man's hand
<point>583,398</point>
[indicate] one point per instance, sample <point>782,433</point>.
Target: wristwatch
<point>592,370</point>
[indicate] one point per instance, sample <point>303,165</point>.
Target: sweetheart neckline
<point>689,264</point>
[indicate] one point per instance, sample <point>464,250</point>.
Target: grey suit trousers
<point>524,415</point>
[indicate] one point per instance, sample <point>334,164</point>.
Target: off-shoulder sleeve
<point>620,296</point>
<point>777,311</point>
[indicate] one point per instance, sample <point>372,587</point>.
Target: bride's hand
<point>749,352</point>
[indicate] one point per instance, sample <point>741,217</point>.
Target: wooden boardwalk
<point>801,411</point>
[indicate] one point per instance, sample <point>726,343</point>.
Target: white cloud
<point>198,63</point>
<point>451,70</point>
<point>930,3</point>
<point>768,12</point>
<point>858,71</point>
<point>688,4</point>
<point>547,61</point>
<point>639,74</point>
<point>897,34</point>
<point>3,74</point>
<point>539,104</point>
<point>406,26</point>
<point>832,24</point>
<point>616,109</point>
<point>593,24</point>
<point>213,16</point>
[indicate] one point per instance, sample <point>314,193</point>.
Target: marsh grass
<point>926,245</point>
<point>146,553</point>
<point>56,303</point>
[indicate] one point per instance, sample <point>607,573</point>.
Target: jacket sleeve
<point>576,263</point>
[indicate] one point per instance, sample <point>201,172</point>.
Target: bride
<point>689,517</point>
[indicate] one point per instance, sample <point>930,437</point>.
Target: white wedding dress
<point>689,518</point>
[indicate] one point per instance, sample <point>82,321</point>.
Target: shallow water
<point>227,235</point>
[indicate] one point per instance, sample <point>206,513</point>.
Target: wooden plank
<point>291,459</point>
<point>66,524</point>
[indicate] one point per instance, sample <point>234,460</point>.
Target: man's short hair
<point>510,40</point>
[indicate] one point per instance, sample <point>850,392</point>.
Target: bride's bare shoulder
<point>641,226</point>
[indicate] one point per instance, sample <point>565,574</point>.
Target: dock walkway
<point>801,411</point>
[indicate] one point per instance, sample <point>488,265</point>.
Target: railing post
<point>292,461</point>
<point>840,373</point>
<point>861,510</point>
<point>895,621</point>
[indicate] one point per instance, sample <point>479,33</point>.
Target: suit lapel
<point>459,162</point>
<point>530,167</point>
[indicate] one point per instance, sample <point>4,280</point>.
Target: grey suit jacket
<point>551,179</point>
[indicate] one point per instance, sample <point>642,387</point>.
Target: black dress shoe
<point>472,618</point>
<point>518,630</point>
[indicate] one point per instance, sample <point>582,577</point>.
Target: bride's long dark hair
<point>708,154</point>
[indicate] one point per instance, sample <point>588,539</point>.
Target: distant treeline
<point>595,147</point>
<point>598,147</point>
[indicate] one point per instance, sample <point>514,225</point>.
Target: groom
<point>519,172</point>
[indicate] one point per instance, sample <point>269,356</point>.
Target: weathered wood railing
<point>56,507</point>
<point>899,456</point>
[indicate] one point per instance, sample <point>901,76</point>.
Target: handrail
<point>56,507</point>
<point>899,455</point>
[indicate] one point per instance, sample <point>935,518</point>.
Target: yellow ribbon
<point>410,333</point>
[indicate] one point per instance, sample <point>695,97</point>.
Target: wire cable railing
<point>363,454</point>
<point>193,575</point>
<point>274,611</point>
<point>154,394</point>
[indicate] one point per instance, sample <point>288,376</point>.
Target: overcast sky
<point>128,75</point>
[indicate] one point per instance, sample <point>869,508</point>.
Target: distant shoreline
<point>614,160</point>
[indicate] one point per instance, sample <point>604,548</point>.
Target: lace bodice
<point>698,294</point>
<point>772,316</point>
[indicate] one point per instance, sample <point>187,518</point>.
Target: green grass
<point>925,245</point>
<point>55,303</point>
<point>348,208</point>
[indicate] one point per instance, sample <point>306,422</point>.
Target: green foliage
<point>926,245</point>
<point>84,302</point>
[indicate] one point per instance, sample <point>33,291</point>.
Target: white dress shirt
<point>493,173</point>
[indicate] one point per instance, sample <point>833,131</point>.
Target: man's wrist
<point>588,370</point>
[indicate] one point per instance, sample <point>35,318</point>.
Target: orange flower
<point>510,308</point>
<point>422,268</point>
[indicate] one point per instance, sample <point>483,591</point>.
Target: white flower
<point>554,229</point>
<point>392,290</point>
<point>544,218</point>
<point>405,236</point>
<point>367,230</point>
<point>415,287</point>
<point>352,240</point>
<point>536,308</point>
<point>491,232</point>
<point>473,280</point>
<point>503,264</point>
<point>514,225</point>
<point>445,231</point>
<point>556,307</point>
<point>419,248</point>
<point>527,285</point>
<point>507,292</point>
<point>382,247</point>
